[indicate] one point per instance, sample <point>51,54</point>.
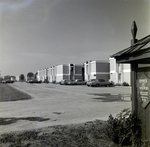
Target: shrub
<point>124,129</point>
<point>118,84</point>
<point>46,81</point>
<point>125,84</point>
<point>113,84</point>
<point>54,82</point>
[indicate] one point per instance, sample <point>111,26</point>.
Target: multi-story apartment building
<point>119,73</point>
<point>60,72</point>
<point>68,71</point>
<point>51,73</point>
<point>96,70</point>
<point>41,74</point>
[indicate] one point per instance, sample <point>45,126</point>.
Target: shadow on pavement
<point>107,97</point>
<point>7,121</point>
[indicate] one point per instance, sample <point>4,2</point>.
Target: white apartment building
<point>60,72</point>
<point>96,70</point>
<point>68,71</point>
<point>51,73</point>
<point>119,73</point>
<point>41,76</point>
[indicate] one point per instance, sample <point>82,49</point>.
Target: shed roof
<point>139,51</point>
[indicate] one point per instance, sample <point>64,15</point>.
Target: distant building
<point>68,71</point>
<point>96,70</point>
<point>13,78</point>
<point>40,75</point>
<point>51,73</point>
<point>119,73</point>
<point>61,72</point>
<point>17,78</point>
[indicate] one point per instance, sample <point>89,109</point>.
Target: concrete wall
<point>78,69</point>
<point>119,73</point>
<point>66,69</point>
<point>102,67</point>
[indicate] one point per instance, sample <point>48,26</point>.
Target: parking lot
<point>63,104</point>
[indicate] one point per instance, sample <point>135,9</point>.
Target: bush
<point>113,84</point>
<point>46,81</point>
<point>125,84</point>
<point>54,82</point>
<point>118,84</point>
<point>125,129</point>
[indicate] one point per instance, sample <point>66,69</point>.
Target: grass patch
<point>90,134</point>
<point>8,93</point>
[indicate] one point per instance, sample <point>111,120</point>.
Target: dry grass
<point>8,93</point>
<point>90,134</point>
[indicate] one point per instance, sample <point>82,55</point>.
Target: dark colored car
<point>71,82</point>
<point>63,82</point>
<point>34,81</point>
<point>99,82</point>
<point>8,81</point>
<point>80,82</point>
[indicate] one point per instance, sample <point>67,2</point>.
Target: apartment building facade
<point>55,74</point>
<point>68,72</point>
<point>119,73</point>
<point>51,72</point>
<point>41,75</point>
<point>96,70</point>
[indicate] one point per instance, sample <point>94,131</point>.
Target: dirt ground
<point>54,115</point>
<point>61,105</point>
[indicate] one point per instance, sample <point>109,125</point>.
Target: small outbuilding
<point>138,55</point>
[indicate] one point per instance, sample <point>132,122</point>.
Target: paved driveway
<point>63,105</point>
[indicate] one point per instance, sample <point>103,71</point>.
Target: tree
<point>30,76</point>
<point>8,77</point>
<point>22,78</point>
<point>1,79</point>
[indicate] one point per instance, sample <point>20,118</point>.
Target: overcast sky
<point>36,34</point>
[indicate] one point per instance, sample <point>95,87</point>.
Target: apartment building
<point>51,73</point>
<point>96,70</point>
<point>61,72</point>
<point>41,75</point>
<point>68,71</point>
<point>119,73</point>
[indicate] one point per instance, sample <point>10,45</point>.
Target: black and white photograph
<point>74,73</point>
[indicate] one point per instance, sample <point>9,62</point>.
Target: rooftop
<point>139,51</point>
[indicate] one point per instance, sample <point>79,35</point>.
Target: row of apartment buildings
<point>110,71</point>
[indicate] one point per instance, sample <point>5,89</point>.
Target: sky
<point>36,34</point>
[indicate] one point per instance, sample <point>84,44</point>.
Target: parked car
<point>99,82</point>
<point>8,81</point>
<point>80,82</point>
<point>71,82</point>
<point>3,81</point>
<point>63,82</point>
<point>34,81</point>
